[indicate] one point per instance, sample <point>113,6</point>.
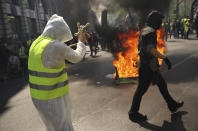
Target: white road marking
<point>180,63</point>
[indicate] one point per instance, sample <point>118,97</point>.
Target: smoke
<point>143,7</point>
<point>138,8</point>
<point>98,6</point>
<point>77,11</point>
<point>80,10</point>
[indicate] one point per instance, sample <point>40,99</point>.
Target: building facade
<point>24,19</point>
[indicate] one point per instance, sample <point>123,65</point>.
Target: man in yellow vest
<point>47,73</point>
<point>23,59</point>
<point>186,27</point>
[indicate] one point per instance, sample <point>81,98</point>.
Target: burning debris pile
<point>124,47</point>
<point>124,43</point>
<point>126,62</point>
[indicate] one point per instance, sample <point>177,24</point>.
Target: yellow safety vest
<point>21,54</point>
<point>29,42</point>
<point>163,25</point>
<point>45,83</point>
<point>186,26</point>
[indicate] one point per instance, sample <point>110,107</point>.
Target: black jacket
<point>148,40</point>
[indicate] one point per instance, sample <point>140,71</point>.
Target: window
<point>45,5</point>
<point>14,24</point>
<point>30,4</point>
<point>32,26</point>
<point>15,2</point>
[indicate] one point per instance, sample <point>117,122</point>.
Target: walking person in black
<point>93,43</point>
<point>149,68</point>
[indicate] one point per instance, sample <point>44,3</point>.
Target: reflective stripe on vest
<point>45,83</point>
<point>48,75</point>
<point>51,87</point>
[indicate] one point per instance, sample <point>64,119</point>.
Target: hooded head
<point>57,29</point>
<point>154,19</point>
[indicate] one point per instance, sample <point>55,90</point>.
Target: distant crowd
<point>178,28</point>
<point>14,55</point>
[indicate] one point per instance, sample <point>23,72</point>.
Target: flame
<point>126,61</point>
<point>161,44</point>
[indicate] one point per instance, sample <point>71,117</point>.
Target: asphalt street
<point>99,105</point>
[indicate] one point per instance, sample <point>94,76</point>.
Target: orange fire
<point>161,44</point>
<point>127,61</point>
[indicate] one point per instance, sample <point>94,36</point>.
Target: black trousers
<point>93,48</point>
<point>146,77</point>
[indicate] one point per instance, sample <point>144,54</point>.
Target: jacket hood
<point>154,19</point>
<point>57,29</point>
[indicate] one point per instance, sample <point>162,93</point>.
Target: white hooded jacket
<point>57,52</point>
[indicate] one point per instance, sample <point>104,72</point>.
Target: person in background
<point>4,56</point>
<point>23,58</point>
<point>93,43</point>
<point>187,27</point>
<point>182,27</point>
<point>13,67</point>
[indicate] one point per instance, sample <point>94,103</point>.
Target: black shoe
<point>137,117</point>
<point>175,107</point>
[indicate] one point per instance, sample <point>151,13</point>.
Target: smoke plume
<point>143,7</point>
<point>138,8</point>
